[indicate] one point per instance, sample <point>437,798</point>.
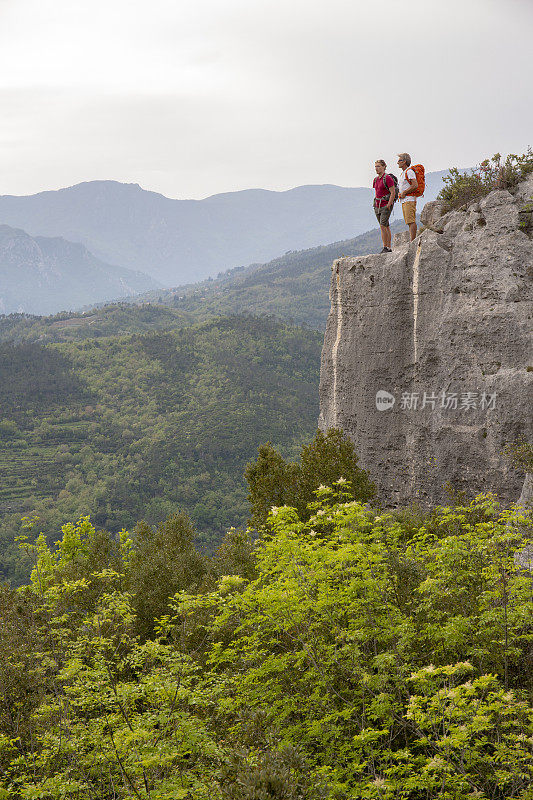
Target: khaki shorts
<point>409,212</point>
<point>382,215</point>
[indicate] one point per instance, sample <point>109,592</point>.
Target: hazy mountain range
<point>176,241</point>
<point>294,288</point>
<point>41,275</point>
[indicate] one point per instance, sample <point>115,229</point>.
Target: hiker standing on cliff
<point>407,185</point>
<point>385,189</point>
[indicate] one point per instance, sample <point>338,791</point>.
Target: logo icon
<point>384,400</point>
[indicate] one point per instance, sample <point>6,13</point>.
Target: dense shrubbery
<point>461,188</point>
<point>273,481</point>
<point>354,655</point>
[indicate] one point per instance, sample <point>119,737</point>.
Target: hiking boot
<point>386,250</point>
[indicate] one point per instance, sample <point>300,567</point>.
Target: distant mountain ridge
<point>181,241</point>
<point>294,288</point>
<point>41,275</point>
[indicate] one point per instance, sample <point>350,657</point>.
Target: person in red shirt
<point>383,202</point>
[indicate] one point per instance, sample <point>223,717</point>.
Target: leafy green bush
<point>368,658</point>
<point>461,188</point>
<point>9,429</point>
<point>397,663</point>
<point>330,457</point>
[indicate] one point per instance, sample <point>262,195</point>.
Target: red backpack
<point>420,173</point>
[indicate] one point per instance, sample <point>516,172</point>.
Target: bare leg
<point>412,230</point>
<point>386,236</point>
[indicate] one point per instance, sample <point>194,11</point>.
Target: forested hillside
<point>293,287</point>
<point>110,320</point>
<point>350,655</point>
<point>135,427</point>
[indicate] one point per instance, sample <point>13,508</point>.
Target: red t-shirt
<point>381,190</point>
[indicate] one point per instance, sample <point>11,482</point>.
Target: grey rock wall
<point>443,327</point>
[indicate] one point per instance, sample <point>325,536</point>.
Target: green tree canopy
<point>272,481</point>
<point>162,561</point>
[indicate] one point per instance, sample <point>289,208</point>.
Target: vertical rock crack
<point>336,346</point>
<point>415,300</point>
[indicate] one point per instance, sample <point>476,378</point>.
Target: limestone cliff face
<point>443,326</point>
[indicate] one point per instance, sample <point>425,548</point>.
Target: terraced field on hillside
<point>36,464</point>
<point>28,472</point>
<point>139,426</point>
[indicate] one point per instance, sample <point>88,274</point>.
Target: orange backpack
<point>420,179</point>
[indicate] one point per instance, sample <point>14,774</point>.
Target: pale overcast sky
<point>205,96</point>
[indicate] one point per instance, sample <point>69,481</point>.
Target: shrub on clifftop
<point>461,188</point>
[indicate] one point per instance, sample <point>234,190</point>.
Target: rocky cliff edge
<point>427,361</point>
